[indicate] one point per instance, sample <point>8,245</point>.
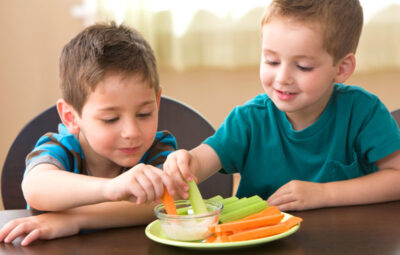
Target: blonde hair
<point>340,21</point>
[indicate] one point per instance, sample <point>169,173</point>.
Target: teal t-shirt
<point>258,141</point>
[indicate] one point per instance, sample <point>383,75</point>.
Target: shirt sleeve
<point>164,143</point>
<point>379,135</point>
<point>48,150</point>
<point>231,141</point>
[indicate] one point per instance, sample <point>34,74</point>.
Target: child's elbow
<point>33,196</point>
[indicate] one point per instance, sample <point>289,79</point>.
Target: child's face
<point>119,121</point>
<point>296,71</point>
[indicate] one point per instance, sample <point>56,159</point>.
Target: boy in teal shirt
<point>310,141</point>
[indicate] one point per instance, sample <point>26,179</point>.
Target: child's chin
<point>127,163</point>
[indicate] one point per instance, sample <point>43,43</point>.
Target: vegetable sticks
<point>241,225</point>
<point>169,203</point>
<point>258,233</point>
<point>243,212</point>
<point>195,198</point>
<point>271,210</point>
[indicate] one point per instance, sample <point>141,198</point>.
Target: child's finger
<point>172,170</point>
<point>281,199</point>
<point>32,236</point>
<point>6,229</point>
<point>183,163</point>
<point>155,177</point>
<point>19,230</point>
<point>168,183</point>
<point>147,187</point>
<point>138,192</point>
<point>291,206</point>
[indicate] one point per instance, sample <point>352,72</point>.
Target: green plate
<point>153,231</point>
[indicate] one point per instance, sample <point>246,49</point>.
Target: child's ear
<point>68,116</point>
<point>346,68</point>
<point>159,98</point>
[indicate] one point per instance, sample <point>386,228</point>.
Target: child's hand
<point>44,226</point>
<point>141,184</point>
<point>298,195</point>
<point>180,166</point>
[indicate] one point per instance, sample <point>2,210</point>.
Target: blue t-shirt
<point>63,150</point>
<point>258,141</point>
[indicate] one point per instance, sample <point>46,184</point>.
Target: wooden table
<point>370,229</point>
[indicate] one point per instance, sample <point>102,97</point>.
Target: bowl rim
<point>163,216</point>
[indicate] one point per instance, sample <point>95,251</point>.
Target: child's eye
<point>110,120</point>
<point>305,68</point>
<point>143,115</point>
<point>272,63</point>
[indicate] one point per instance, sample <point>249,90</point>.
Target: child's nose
<point>130,130</point>
<point>284,76</point>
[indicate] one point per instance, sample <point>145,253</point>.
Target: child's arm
<point>69,222</point>
<point>47,188</point>
<point>377,187</point>
<point>199,163</point>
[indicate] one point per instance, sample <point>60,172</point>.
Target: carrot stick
<point>221,239</point>
<point>241,225</point>
<point>258,233</point>
<point>169,203</point>
<point>292,221</point>
<point>271,210</point>
<point>211,239</point>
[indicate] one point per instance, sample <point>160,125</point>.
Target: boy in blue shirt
<point>107,150</point>
<point>309,141</point>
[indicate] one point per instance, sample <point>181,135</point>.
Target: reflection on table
<point>368,229</point>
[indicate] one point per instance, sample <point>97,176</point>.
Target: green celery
<point>234,205</point>
<point>216,198</point>
<point>229,200</point>
<point>183,210</point>
<point>195,199</point>
<point>243,202</point>
<point>243,211</point>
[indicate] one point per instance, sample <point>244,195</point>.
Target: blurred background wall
<point>208,52</point>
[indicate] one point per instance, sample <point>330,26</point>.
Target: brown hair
<point>340,21</point>
<point>98,50</point>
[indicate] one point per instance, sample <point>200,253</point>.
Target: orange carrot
<point>241,225</point>
<point>222,239</point>
<point>292,221</point>
<point>169,203</point>
<point>258,233</point>
<point>271,210</point>
<point>211,239</point>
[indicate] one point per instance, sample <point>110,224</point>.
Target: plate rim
<point>202,245</point>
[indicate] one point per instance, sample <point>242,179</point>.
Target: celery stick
<point>234,205</point>
<point>243,202</point>
<point>229,200</point>
<point>243,211</point>
<point>195,199</point>
<point>182,210</point>
<point>216,198</point>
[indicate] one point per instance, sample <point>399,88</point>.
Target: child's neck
<point>97,165</point>
<point>99,169</point>
<point>307,116</point>
<point>300,122</point>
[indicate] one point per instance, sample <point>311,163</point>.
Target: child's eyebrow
<point>304,57</point>
<point>116,108</point>
<point>269,51</point>
<point>265,51</point>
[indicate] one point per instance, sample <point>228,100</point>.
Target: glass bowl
<point>187,226</point>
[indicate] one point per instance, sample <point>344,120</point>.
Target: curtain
<point>225,34</point>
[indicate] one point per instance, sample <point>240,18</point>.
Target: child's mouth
<point>130,150</point>
<point>285,95</point>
